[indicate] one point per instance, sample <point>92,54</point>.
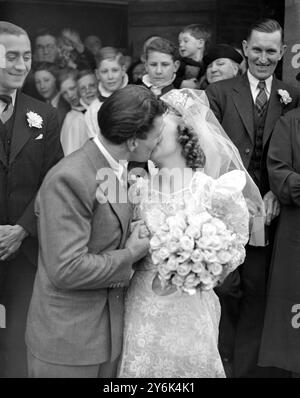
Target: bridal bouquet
<point>197,247</point>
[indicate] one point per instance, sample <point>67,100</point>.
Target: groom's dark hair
<point>129,112</point>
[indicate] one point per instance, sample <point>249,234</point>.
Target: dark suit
<point>26,154</point>
<point>232,102</point>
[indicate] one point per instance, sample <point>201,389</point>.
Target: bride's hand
<point>143,230</point>
<point>137,245</point>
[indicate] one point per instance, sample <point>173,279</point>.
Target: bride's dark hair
<point>191,149</point>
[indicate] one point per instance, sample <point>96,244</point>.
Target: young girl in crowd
<point>111,74</point>
<point>46,82</point>
<point>45,78</point>
<point>74,129</point>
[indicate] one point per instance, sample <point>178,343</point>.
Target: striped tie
<point>262,98</point>
<point>9,108</point>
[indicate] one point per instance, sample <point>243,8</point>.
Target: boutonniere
<point>34,120</point>
<point>284,96</point>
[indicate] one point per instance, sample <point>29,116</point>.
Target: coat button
<point>247,151</point>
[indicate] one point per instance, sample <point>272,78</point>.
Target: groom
<point>75,320</point>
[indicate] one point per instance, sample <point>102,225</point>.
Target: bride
<point>169,333</point>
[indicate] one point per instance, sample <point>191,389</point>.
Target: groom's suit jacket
<point>232,103</point>
<point>33,151</point>
<point>76,311</point>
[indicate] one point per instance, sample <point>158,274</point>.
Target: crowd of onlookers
<point>76,76</point>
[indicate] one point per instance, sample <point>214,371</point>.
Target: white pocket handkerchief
<point>39,137</point>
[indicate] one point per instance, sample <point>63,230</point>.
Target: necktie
<point>8,110</point>
<point>123,176</point>
<point>7,99</point>
<point>262,98</point>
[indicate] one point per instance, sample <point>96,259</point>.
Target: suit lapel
<point>243,101</point>
<point>21,130</point>
<point>123,208</point>
<point>274,111</point>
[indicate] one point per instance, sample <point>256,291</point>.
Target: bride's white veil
<point>221,154</point>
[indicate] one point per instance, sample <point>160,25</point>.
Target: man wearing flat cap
<point>248,108</point>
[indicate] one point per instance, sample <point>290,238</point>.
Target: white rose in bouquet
<point>173,246</point>
<point>184,269</point>
<point>193,231</point>
<point>164,227</point>
<point>178,280</point>
<point>208,281</point>
<point>238,256</point>
<point>198,268</point>
<point>172,263</point>
<point>210,256</point>
<point>155,242</point>
<point>163,253</point>
<point>215,268</point>
<point>177,221</point>
<point>224,256</point>
<point>208,229</point>
<point>197,220</point>
<point>156,259</point>
<point>164,272</point>
<point>183,256</point>
<point>197,256</point>
<point>219,224</point>
<point>210,242</point>
<point>155,219</point>
<point>176,233</point>
<point>190,283</point>
<point>163,236</point>
<point>187,243</point>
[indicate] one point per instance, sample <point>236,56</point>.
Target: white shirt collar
<point>83,104</point>
<point>254,82</point>
<point>106,93</point>
<point>13,97</point>
<point>118,167</point>
<point>157,90</point>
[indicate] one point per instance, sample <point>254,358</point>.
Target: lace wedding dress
<point>174,335</point>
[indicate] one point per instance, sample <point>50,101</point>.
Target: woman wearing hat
<point>222,62</point>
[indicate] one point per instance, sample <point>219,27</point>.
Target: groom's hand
<point>137,244</point>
